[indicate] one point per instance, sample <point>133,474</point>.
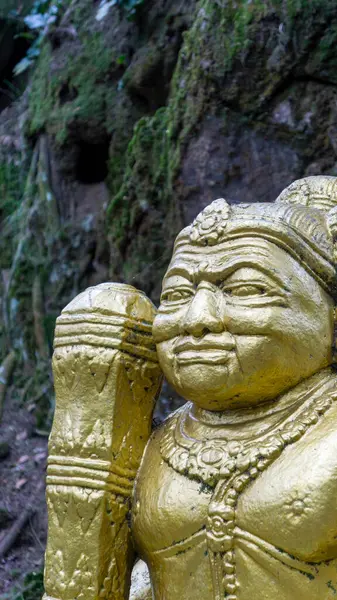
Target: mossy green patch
<point>41,99</point>
<point>11,188</point>
<point>76,92</point>
<point>138,213</point>
<point>236,54</point>
<point>30,589</point>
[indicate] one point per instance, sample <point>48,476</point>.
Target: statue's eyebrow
<point>226,270</point>
<point>268,272</point>
<point>180,270</point>
<point>234,265</point>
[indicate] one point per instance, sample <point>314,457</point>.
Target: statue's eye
<point>176,295</point>
<point>245,289</point>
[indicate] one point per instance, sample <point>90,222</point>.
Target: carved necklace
<point>229,466</point>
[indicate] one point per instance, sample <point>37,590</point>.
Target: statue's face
<point>240,323</point>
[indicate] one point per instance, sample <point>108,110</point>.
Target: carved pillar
<point>106,381</point>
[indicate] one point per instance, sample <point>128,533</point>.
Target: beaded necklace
<point>228,467</point>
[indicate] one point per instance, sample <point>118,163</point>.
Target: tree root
<point>6,370</point>
<point>7,542</point>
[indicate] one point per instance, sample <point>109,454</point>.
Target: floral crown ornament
<point>209,226</point>
<point>302,221</point>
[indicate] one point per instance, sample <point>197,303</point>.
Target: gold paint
<point>235,495</point>
<point>106,380</point>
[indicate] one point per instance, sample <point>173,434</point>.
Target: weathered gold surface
<point>235,496</point>
<point>106,381</point>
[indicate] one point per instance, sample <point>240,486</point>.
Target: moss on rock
<point>139,214</point>
<point>236,56</point>
<point>76,94</point>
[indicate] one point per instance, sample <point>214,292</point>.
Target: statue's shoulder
<point>162,441</point>
<point>316,451</point>
<point>154,464</point>
<point>165,430</point>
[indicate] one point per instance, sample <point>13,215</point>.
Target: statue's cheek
<point>167,325</point>
<point>246,320</point>
<point>254,347</point>
<point>167,361</point>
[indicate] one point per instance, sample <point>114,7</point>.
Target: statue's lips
<point>205,350</point>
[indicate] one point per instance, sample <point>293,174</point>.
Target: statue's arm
<point>106,381</point>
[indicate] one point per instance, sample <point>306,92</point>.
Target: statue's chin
<point>209,386</point>
<point>218,387</point>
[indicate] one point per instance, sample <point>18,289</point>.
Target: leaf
<point>40,457</point>
<point>121,60</point>
<point>20,483</point>
<point>54,9</point>
<point>22,66</point>
<point>33,52</point>
<point>51,19</point>
<point>23,459</point>
<point>35,21</point>
<point>104,9</point>
<point>25,35</point>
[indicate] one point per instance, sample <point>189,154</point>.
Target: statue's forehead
<point>215,256</point>
<point>190,261</point>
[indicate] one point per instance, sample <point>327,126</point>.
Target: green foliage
<point>142,203</point>
<point>12,179</point>
<point>85,74</point>
<point>11,188</point>
<point>42,15</point>
<point>30,589</point>
<point>41,99</point>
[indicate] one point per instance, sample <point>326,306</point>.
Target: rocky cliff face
<point>133,122</point>
<point>142,122</point>
<point>149,120</point>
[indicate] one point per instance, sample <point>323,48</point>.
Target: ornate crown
<point>302,220</point>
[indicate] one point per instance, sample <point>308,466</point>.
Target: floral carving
<point>298,506</point>
<point>82,581</point>
<point>208,228</point>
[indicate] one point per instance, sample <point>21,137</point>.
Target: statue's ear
<point>334,345</point>
<point>331,219</point>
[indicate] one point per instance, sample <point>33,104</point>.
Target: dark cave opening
<point>92,162</point>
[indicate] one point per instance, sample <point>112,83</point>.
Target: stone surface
<point>236,163</point>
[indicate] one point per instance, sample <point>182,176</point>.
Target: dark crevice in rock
<point>67,93</point>
<point>149,76</point>
<point>92,161</point>
<point>58,35</point>
<point>150,84</point>
<point>293,79</point>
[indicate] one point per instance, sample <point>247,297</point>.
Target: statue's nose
<point>202,315</point>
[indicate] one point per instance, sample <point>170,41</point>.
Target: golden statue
<point>235,493</point>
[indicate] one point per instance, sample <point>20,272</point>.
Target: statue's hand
<point>107,379</point>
